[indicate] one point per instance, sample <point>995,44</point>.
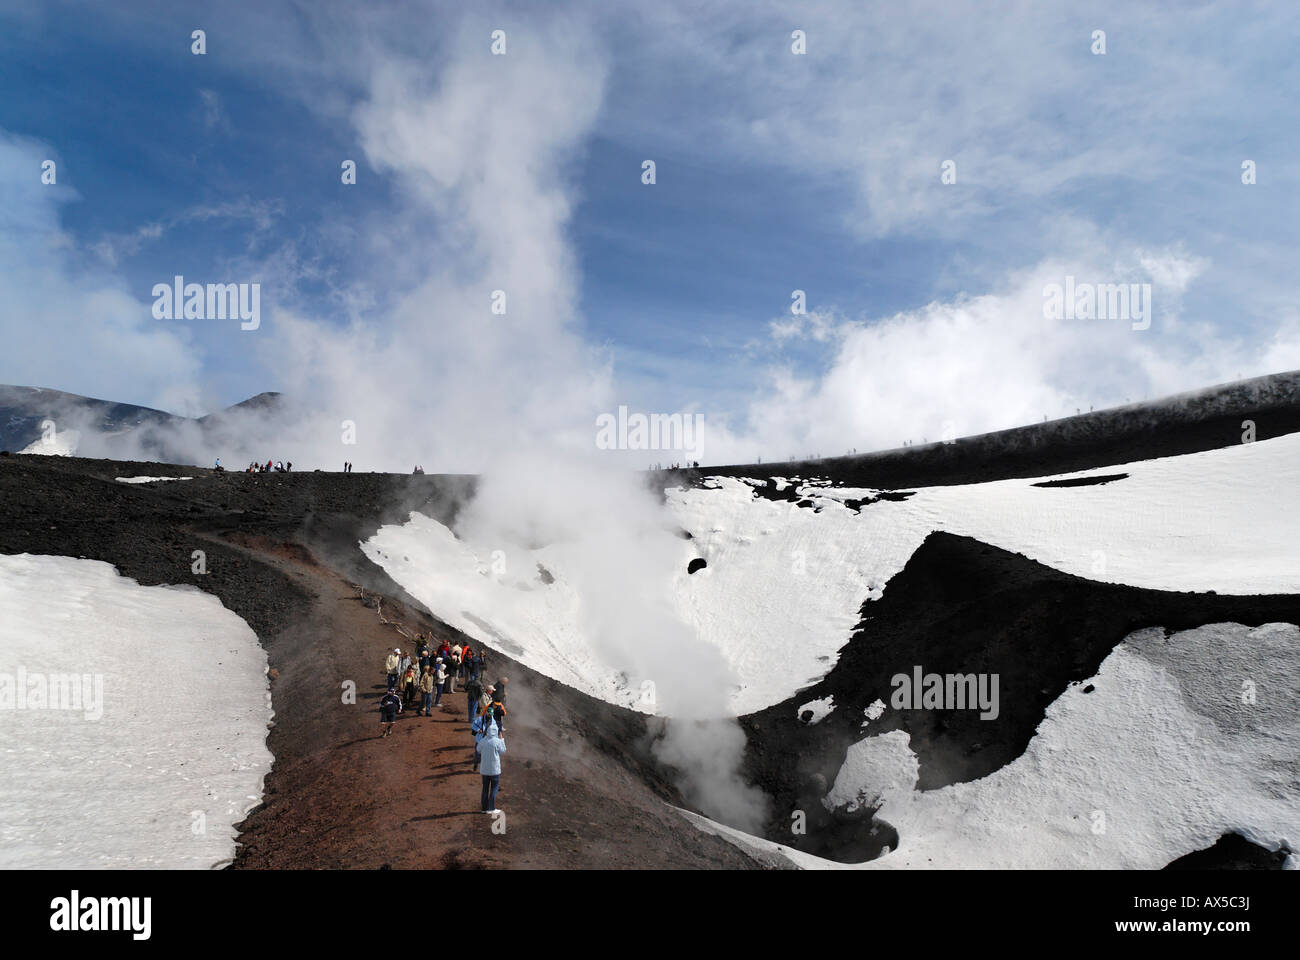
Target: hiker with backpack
<point>478,727</point>
<point>495,709</point>
<point>390,705</point>
<point>473,690</point>
<point>408,685</point>
<point>501,689</point>
<point>391,667</point>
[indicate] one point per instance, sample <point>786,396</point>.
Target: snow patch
<point>874,768</point>
<point>1162,759</point>
<point>1219,520</point>
<point>178,753</point>
<point>821,709</point>
<point>63,443</point>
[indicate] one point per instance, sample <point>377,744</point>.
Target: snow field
<point>158,771</point>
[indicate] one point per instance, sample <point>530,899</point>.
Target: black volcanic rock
<point>962,606</point>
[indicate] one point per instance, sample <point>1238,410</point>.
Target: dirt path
<point>339,796</point>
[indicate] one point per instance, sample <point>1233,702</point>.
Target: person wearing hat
<point>491,745</point>
<point>495,710</point>
<point>439,679</point>
<point>392,666</point>
<point>390,705</point>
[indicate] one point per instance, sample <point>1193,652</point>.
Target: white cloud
<point>214,113</point>
<point>979,363</point>
<point>68,324</point>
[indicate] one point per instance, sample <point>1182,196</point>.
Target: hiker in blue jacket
<point>491,745</point>
<point>478,726</point>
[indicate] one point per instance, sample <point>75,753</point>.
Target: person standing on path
<point>391,667</point>
<point>409,682</point>
<point>495,712</point>
<point>501,690</point>
<point>449,685</point>
<point>426,693</point>
<point>491,747</point>
<point>473,690</point>
<point>439,680</point>
<point>390,705</point>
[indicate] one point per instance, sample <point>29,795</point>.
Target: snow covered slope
<point>1179,741</point>
<point>62,443</point>
<point>151,744</point>
<point>784,584</point>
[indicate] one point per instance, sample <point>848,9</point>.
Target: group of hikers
<point>690,464</point>
<point>433,672</point>
<point>277,466</point>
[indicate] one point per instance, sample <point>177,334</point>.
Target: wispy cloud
<point>214,113</point>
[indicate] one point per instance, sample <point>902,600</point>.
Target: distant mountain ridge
<point>25,410</point>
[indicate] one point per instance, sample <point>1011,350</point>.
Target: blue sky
<point>774,172</point>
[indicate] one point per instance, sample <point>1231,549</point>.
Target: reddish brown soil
<point>340,796</point>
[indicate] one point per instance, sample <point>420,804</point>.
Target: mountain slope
<point>37,420</point>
